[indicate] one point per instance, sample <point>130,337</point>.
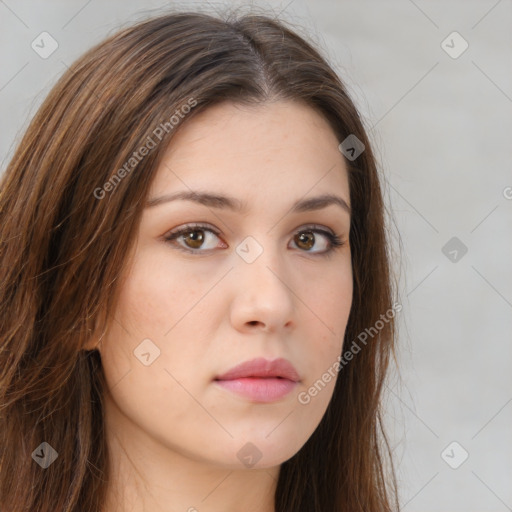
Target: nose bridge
<point>262,257</point>
<point>261,277</point>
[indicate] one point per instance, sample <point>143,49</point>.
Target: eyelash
<point>335,240</point>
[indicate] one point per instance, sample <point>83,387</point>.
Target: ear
<point>92,344</point>
<point>94,341</point>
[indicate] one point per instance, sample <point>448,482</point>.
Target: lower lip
<point>259,389</point>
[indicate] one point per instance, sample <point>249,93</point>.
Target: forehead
<point>256,153</point>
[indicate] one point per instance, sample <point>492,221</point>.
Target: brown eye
<point>198,239</point>
<point>191,238</point>
<point>305,240</point>
<point>194,238</point>
<point>308,237</point>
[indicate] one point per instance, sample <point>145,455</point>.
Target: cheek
<point>156,296</point>
<point>159,306</point>
<point>148,354</point>
<point>331,302</point>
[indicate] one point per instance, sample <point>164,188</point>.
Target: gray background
<point>441,128</point>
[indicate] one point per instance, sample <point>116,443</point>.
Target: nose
<point>263,295</point>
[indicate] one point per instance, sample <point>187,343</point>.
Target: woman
<point>194,282</point>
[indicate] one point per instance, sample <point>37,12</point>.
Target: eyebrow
<point>221,201</point>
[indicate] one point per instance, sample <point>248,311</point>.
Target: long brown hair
<point>68,218</point>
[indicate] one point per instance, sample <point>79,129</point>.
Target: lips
<point>262,368</point>
<point>260,380</point>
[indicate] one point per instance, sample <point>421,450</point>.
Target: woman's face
<point>261,283</point>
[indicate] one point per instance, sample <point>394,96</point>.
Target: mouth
<point>260,380</point>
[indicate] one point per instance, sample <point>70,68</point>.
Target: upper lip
<point>261,367</point>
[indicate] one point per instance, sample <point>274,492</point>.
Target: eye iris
<point>196,239</point>
<point>306,237</point>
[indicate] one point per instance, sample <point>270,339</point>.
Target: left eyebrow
<point>213,200</point>
<point>320,202</point>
